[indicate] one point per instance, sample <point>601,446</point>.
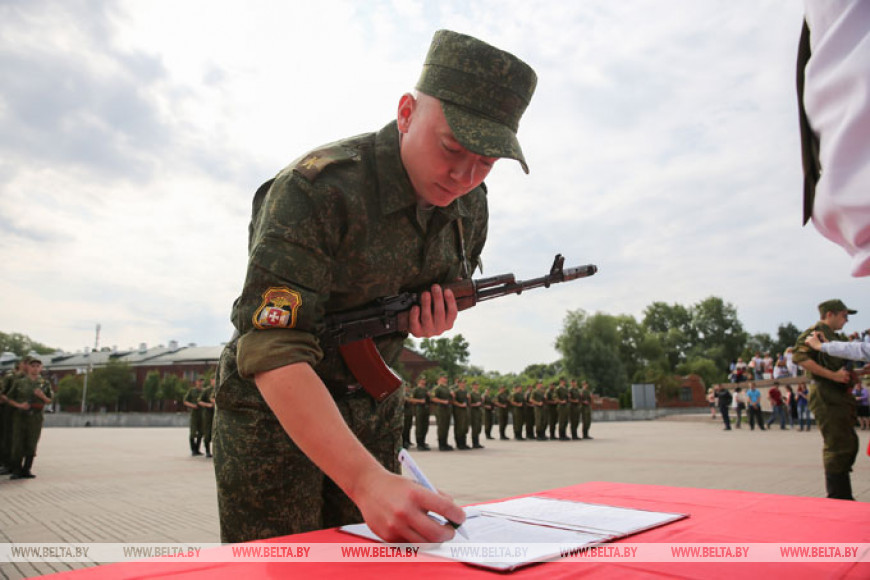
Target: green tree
<point>451,354</point>
<point>112,386</point>
<point>22,344</point>
<point>69,391</point>
<point>705,368</point>
<point>672,325</point>
<point>151,388</point>
<point>590,347</point>
<point>719,335</point>
<point>786,336</point>
<point>172,388</point>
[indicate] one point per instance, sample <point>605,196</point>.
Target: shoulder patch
<point>312,164</point>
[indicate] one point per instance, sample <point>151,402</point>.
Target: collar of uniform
<point>396,190</point>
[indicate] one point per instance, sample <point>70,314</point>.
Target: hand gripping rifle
<point>352,330</point>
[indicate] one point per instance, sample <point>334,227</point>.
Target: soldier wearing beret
<point>831,400</point>
<point>299,446</point>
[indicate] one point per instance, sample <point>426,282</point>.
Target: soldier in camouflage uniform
<point>299,445</point>
<point>502,405</point>
<point>420,401</point>
<point>529,412</point>
<point>191,403</point>
<point>574,408</point>
<point>28,397</point>
<point>7,412</point>
<point>408,414</point>
<point>586,409</point>
<point>516,402</point>
<point>831,401</point>
<point>442,398</point>
<point>551,405</point>
<point>538,400</point>
<point>460,415</point>
<point>562,409</point>
<point>487,412</point>
<point>475,411</point>
<point>206,409</point>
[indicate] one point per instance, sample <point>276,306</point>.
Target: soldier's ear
<point>407,105</point>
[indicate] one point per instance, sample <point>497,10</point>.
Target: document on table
<point>507,534</point>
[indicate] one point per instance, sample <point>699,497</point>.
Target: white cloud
<point>662,142</point>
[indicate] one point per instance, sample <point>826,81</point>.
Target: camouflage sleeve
<point>296,233</point>
<point>802,352</point>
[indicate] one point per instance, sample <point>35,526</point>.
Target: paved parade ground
<point>142,485</point>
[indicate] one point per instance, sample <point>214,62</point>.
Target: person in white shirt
<point>849,350</point>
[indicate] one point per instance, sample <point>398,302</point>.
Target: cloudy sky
<point>662,141</point>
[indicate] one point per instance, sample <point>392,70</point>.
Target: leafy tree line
<point>113,387</point>
<point>614,351</point>
<point>21,344</point>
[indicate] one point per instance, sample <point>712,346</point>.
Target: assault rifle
<point>352,331</point>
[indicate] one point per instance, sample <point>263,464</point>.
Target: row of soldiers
<point>532,410</point>
<point>25,393</point>
<point>199,402</point>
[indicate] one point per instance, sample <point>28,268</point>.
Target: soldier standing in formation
<point>517,412</point>
<point>206,404</point>
<point>460,415</point>
<point>475,410</point>
<point>409,415</point>
<point>502,403</point>
<point>487,412</point>
<point>442,398</point>
<point>586,409</point>
<point>28,395</point>
<point>529,413</point>
<point>552,401</point>
<point>538,399</point>
<point>420,401</point>
<point>191,402</point>
<point>562,409</point>
<point>574,408</point>
<point>7,412</point>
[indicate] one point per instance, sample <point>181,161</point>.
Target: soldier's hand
<point>435,314</point>
<point>841,376</point>
<point>814,341</point>
<point>395,508</point>
<point>25,407</point>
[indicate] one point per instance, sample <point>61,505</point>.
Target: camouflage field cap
<point>483,90</point>
<point>834,306</point>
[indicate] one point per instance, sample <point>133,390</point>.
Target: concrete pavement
<point>142,485</point>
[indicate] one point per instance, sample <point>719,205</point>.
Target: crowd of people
<point>788,407</point>
<point>537,413</point>
<point>23,399</point>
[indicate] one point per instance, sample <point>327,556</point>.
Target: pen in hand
<point>406,460</point>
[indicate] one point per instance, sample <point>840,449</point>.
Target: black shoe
<point>489,436</point>
<point>423,447</point>
<point>588,437</point>
<point>28,475</point>
<point>563,438</point>
<point>477,446</point>
<point>727,429</point>
<point>445,448</point>
<point>504,438</point>
<point>520,438</point>
<point>17,476</point>
<point>542,438</point>
<point>4,471</point>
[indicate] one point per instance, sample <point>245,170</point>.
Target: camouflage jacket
<point>335,230</point>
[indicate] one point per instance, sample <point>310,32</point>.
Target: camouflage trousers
<point>835,411</point>
<point>267,487</point>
